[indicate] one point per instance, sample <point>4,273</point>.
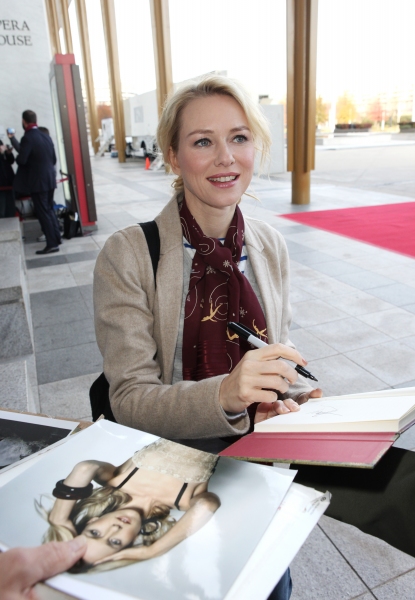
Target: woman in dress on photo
<point>127,519</point>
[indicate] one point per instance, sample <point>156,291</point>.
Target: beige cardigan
<point>137,326</point>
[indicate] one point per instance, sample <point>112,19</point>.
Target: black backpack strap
<point>151,231</point>
<point>99,391</point>
<point>99,398</point>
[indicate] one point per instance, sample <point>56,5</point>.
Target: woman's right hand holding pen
<point>259,376</point>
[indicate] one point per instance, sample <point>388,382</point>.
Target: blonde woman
<point>174,368</point>
<point>127,519</point>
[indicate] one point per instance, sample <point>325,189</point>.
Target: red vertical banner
<point>66,60</point>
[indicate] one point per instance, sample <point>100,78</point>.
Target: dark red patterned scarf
<point>218,293</point>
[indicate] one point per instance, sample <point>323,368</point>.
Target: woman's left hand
<point>305,396</point>
<point>266,410</point>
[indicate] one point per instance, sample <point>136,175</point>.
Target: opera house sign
<point>13,33</point>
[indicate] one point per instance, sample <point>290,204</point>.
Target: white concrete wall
<point>25,58</point>
<point>275,116</point>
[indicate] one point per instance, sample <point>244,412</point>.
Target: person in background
<point>22,568</point>
<point>7,207</point>
<point>14,142</point>
<point>36,177</point>
<point>16,145</point>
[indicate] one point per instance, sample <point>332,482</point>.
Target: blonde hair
<point>168,130</point>
<point>102,501</point>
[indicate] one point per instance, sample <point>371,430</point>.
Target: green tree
<point>345,109</point>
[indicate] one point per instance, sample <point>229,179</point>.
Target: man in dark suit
<point>36,177</point>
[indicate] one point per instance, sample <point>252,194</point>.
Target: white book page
<point>409,391</point>
<point>342,414</point>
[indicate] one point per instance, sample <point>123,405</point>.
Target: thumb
<point>53,558</point>
<point>305,396</point>
<point>317,393</point>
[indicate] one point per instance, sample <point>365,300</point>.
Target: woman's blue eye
<point>240,139</point>
<point>203,142</point>
<point>115,542</point>
<point>94,533</point>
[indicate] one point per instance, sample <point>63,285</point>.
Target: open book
<point>351,431</point>
<point>386,411</point>
<point>249,524</point>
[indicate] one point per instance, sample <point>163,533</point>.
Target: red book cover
<point>362,450</point>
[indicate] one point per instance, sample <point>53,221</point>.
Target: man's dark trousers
<point>43,205</point>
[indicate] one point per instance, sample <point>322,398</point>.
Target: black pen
<point>248,335</point>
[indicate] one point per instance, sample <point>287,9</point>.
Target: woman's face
<point>216,153</point>
<point>110,533</point>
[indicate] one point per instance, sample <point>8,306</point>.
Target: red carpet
<point>390,226</point>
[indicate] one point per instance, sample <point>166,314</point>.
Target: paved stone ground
<point>354,320</point>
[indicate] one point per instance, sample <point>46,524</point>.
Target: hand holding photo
<point>150,506</point>
<point>127,518</point>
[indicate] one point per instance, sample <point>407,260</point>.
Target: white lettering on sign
<point>14,39</point>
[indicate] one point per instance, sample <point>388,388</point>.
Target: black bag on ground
<point>99,390</point>
<point>71,224</point>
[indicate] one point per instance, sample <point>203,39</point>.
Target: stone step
<point>16,331</point>
<point>18,380</point>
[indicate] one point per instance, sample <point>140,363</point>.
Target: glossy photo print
<point>161,520</point>
<point>24,435</point>
<point>126,517</point>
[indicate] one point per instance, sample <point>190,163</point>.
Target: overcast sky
<point>364,46</point>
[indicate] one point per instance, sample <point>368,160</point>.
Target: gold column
<point>53,24</point>
<point>66,26</point>
<point>89,79</point>
<point>301,95</point>
<point>110,31</point>
<point>162,49</point>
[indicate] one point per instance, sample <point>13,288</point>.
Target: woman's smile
<point>125,520</point>
<point>224,180</point>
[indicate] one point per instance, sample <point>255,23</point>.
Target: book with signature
<point>351,430</point>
